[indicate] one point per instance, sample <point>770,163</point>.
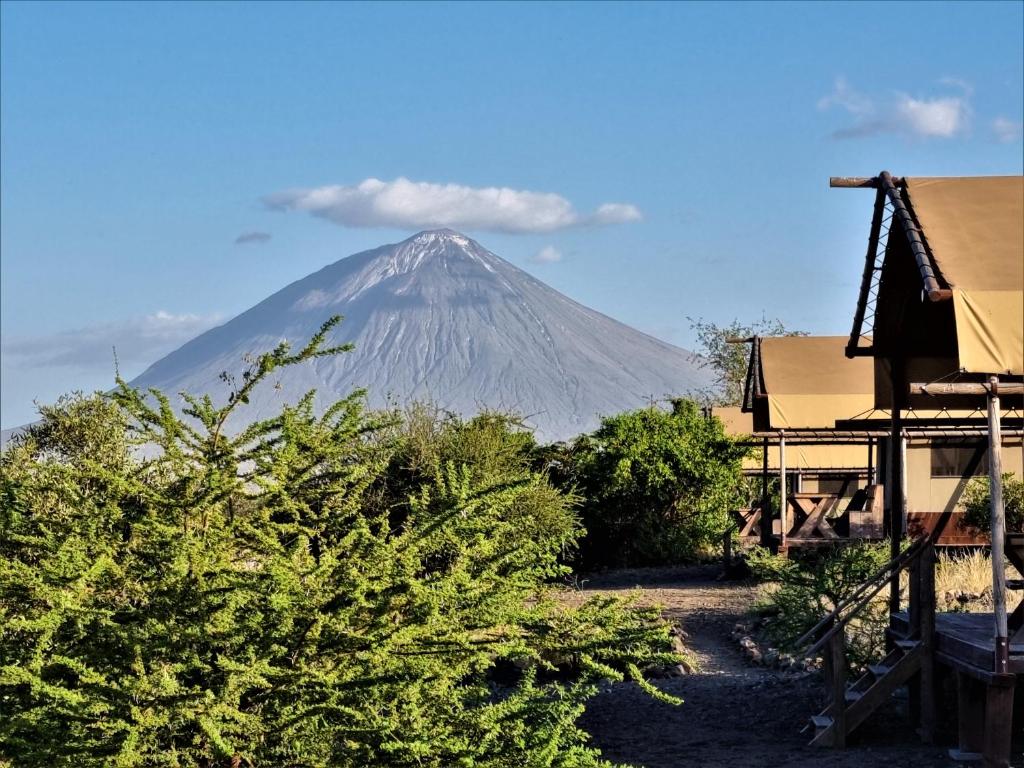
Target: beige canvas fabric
<point>990,330</point>
<point>802,457</point>
<point>974,228</point>
<point>811,384</point>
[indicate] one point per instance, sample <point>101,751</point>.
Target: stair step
<point>853,695</point>
<point>821,721</point>
<point>878,670</point>
<point>907,645</point>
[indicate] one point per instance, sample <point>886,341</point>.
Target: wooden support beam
<point>766,507</point>
<point>857,182</point>
<point>897,510</point>
<point>998,525</point>
<point>903,485</point>
<point>853,182</point>
<point>929,694</point>
<point>853,346</point>
<point>998,723</point>
<point>965,388</point>
<point>782,487</point>
<point>970,718</point>
<point>836,653</point>
<point>901,214</point>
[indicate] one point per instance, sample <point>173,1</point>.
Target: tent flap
<point>990,330</point>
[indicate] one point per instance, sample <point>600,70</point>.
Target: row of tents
<point>881,431</point>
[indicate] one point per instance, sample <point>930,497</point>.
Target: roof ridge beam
<point>932,288</point>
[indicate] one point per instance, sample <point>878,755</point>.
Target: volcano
<point>440,318</point>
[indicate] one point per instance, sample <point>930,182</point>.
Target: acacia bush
<point>802,591</point>
<point>257,599</point>
<point>656,485</point>
<point>977,501</point>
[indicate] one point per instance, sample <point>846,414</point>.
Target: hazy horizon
<point>167,166</point>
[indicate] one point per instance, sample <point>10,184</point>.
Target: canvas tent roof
<point>738,423</point>
<point>967,236</point>
<point>974,229</point>
<point>807,382</point>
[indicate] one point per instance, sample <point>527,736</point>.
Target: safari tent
<point>940,317</point>
<point>814,412</point>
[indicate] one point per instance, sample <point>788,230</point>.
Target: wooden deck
<point>965,642</point>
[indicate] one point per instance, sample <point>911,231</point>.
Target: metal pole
<point>998,514</point>
<point>766,507</point>
<point>782,485</point>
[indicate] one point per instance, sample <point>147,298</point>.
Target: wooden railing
<point>828,636</point>
<point>857,600</point>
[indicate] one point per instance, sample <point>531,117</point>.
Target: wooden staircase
<point>868,692</point>
<point>909,658</point>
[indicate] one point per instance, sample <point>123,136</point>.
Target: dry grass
<point>963,581</point>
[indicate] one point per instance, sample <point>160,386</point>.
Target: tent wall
<point>943,494</point>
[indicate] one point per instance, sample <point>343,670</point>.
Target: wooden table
<point>810,515</point>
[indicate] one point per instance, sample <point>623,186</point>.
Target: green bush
<point>977,502</point>
<point>656,485</point>
<point>255,599</point>
<point>806,590</point>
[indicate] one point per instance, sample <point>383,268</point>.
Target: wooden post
<point>871,461</point>
<point>998,738</point>
<point>970,705</point>
<point>914,596</point>
<point>837,656</point>
<point>929,693</point>
<point>896,508</point>
<point>885,475</point>
<point>766,509</point>
<point>914,616</point>
<point>782,486</point>
<point>903,486</point>
<point>998,515</point>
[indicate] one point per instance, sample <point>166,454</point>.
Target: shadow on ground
<point>735,713</point>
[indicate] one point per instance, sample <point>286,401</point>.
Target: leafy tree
<point>249,599</point>
<point>809,588</point>
<point>729,360</point>
<point>977,501</point>
<point>656,485</point>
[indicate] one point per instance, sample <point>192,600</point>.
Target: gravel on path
<point>735,714</point>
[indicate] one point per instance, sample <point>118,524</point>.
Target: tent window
<point>833,484</point>
<point>959,461</point>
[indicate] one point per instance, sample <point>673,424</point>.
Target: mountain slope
<point>439,317</point>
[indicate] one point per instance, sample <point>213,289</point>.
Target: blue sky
<point>139,142</point>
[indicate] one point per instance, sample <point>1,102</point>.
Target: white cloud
<point>252,237</point>
<point>943,117</point>
<point>547,255</point>
<point>615,213</point>
<point>137,340</point>
<point>1007,131</point>
<point>926,117</point>
<point>844,96</point>
<point>409,204</point>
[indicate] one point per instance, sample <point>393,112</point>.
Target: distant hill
<point>439,317</point>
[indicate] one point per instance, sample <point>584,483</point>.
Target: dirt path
<point>735,714</point>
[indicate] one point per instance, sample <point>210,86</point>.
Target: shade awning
<point>798,457</point>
